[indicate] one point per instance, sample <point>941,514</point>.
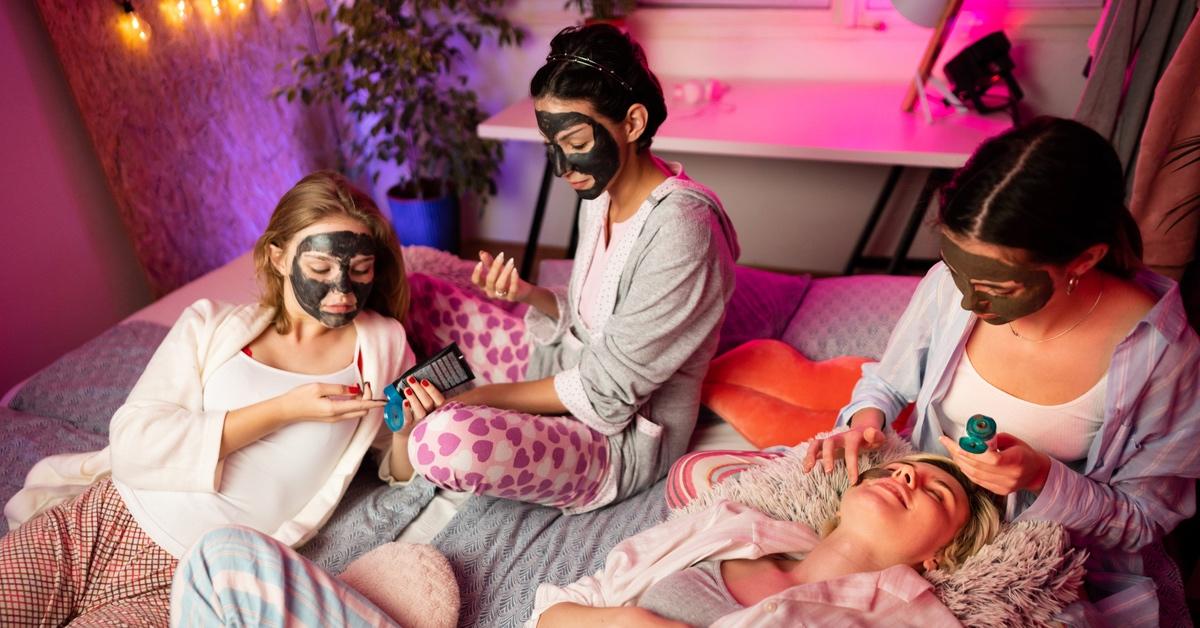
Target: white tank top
<point>1064,431</point>
<point>263,484</point>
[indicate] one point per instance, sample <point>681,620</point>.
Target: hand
<point>1008,465</point>
<point>851,442</point>
<point>420,398</point>
<point>499,278</point>
<point>327,403</point>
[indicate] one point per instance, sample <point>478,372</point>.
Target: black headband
<point>591,64</point>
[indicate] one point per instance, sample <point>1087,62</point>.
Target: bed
<point>498,549</point>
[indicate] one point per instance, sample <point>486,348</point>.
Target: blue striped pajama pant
<point>238,577</point>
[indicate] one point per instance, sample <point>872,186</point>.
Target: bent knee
<point>230,547</point>
<point>452,447</point>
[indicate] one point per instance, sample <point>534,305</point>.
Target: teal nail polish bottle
<point>393,412</point>
<point>980,429</point>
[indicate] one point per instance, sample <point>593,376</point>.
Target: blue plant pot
<point>431,222</point>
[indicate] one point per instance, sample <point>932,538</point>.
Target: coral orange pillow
<point>773,395</point>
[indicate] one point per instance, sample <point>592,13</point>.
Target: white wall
<point>822,206</point>
<point>67,269</point>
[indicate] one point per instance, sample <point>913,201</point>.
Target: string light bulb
<point>181,9</point>
<point>216,7</point>
<point>136,25</point>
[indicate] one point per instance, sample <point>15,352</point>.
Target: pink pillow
<point>411,583</point>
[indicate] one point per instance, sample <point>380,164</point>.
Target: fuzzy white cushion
<point>1028,574</point>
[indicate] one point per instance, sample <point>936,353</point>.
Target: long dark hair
<point>1053,188</point>
<point>629,83</point>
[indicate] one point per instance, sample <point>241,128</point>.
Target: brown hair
<point>315,197</point>
<point>983,518</point>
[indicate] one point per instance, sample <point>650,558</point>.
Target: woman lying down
<point>727,565</point>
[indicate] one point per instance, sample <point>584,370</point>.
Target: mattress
<point>235,283</point>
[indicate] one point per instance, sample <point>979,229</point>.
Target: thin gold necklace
<point>1069,329</point>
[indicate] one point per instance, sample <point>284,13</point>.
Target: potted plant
<point>395,68</point>
<point>603,11</point>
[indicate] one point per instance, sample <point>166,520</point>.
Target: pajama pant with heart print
<point>555,461</point>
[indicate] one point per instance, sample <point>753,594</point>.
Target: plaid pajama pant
<point>85,562</point>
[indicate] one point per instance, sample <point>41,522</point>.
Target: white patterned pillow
<point>849,315</point>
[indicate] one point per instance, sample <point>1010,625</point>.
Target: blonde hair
<point>318,196</point>
<point>983,518</point>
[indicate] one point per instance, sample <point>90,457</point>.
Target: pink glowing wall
<point>67,269</point>
<point>194,150</point>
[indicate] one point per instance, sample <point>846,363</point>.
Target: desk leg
<point>937,177</point>
<point>573,243</point>
<point>535,225</point>
<point>880,204</point>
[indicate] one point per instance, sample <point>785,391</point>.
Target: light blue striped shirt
<point>1137,482</point>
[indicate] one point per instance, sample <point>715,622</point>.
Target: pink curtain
<point>1131,45</point>
<point>1166,186</point>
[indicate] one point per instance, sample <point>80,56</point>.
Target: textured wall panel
<point>194,149</point>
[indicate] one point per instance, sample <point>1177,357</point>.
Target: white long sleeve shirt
<point>897,596</point>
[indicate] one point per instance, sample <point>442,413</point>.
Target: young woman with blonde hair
<point>257,415</point>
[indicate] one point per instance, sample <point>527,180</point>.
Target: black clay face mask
<point>330,266</point>
<point>1008,291</point>
<point>601,162</point>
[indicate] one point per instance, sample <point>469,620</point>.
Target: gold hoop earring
<point>1072,283</point>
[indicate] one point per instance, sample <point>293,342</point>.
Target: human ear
<point>276,255</point>
<point>929,564</point>
<point>1087,260</point>
<point>635,122</point>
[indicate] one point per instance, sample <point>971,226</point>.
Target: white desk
<point>824,121</point>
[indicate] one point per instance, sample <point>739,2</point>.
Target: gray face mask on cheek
<point>343,247</point>
<point>1035,285</point>
<point>601,162</point>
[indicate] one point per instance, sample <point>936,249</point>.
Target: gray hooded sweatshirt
<point>635,377</point>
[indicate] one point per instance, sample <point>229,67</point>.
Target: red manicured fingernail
<point>405,403</point>
<point>356,390</point>
<point>412,380</point>
<point>425,383</point>
<point>408,392</point>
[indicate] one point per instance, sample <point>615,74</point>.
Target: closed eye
<point>996,290</point>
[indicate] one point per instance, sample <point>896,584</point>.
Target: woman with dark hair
<point>611,390</point>
<point>1084,359</point>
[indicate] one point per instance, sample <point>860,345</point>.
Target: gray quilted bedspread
<point>501,550</point>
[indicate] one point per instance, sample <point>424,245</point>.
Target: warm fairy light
<point>175,12</point>
<point>241,5</point>
<point>134,27</point>
<point>216,7</point>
